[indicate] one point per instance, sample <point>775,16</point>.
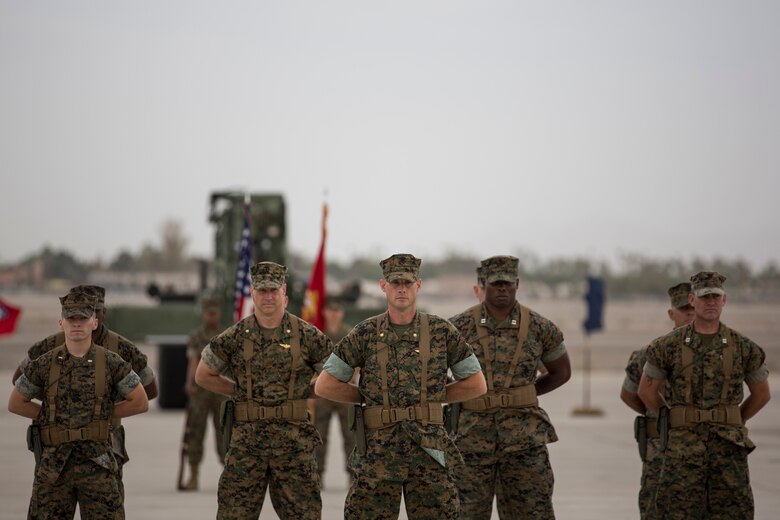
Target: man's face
<point>681,316</point>
<point>501,295</point>
<point>707,307</point>
<point>211,317</point>
<point>78,328</point>
<point>268,302</point>
<point>333,317</point>
<point>401,294</point>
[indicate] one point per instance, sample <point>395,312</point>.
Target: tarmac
<point>595,462</point>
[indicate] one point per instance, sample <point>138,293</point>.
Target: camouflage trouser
<point>94,487</point>
<point>323,411</point>
<point>522,482</point>
<point>712,476</point>
<point>202,403</point>
<point>291,476</point>
<point>651,471</point>
<point>428,491</point>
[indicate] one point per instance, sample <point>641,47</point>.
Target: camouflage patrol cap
<point>78,304</point>
<point>707,282</point>
<point>209,303</point>
<point>401,266</point>
<point>679,295</point>
<point>268,275</point>
<point>500,269</point>
<point>93,290</point>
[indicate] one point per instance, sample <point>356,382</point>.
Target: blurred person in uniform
<point>202,403</point>
<point>681,313</point>
<point>503,434</point>
<point>115,343</point>
<point>324,409</point>
<point>82,386</point>
<point>705,365</point>
<point>403,356</point>
<point>272,355</point>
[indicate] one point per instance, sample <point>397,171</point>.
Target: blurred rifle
<point>185,445</point>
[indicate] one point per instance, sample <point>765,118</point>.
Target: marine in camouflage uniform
<point>273,439</point>
<point>403,385</point>
<point>503,435</point>
<point>705,364</point>
<point>77,462</point>
<point>324,409</point>
<point>202,403</point>
<point>119,345</point>
<point>681,313</point>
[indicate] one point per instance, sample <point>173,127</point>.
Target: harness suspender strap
<point>687,362</point>
<point>728,367</point>
<point>522,334</point>
<point>484,339</point>
<point>248,350</point>
<point>97,429</point>
<point>100,379</point>
<point>425,354</point>
<point>295,350</point>
<point>113,342</point>
<point>427,412</point>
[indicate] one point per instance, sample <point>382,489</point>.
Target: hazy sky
<point>565,128</point>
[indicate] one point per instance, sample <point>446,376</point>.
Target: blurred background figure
<point>335,329</point>
<point>202,402</point>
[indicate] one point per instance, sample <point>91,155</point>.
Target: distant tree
<point>174,245</point>
<point>124,262</point>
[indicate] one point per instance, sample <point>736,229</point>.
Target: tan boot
<point>192,484</point>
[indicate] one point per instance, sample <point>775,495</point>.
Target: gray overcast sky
<point>564,128</point>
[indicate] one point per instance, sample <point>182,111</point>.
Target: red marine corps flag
<point>8,317</point>
<point>314,299</point>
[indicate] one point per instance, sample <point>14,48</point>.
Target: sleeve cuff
<point>27,388</point>
<point>630,385</point>
<point>554,354</point>
<point>654,372</point>
<point>212,361</point>
<point>465,368</point>
<point>128,383</point>
<point>336,367</point>
<point>146,375</point>
<point>758,376</point>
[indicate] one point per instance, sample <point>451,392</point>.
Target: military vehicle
<point>168,323</point>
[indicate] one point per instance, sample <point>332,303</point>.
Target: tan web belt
<point>515,397</point>
<point>686,416</point>
<point>56,435</point>
<point>377,417</point>
<point>291,410</point>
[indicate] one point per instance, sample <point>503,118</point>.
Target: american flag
<point>241,297</point>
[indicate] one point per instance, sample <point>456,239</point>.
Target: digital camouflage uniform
<point>504,448</point>
<point>324,409</point>
<point>706,462</point>
<point>84,471</point>
<point>408,456</point>
<point>651,466</point>
<point>202,403</point>
<point>125,349</point>
<point>270,452</point>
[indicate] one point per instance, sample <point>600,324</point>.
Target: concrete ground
<point>595,462</point>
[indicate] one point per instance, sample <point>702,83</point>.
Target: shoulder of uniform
<point>304,326</point>
<point>122,340</point>
<point>44,359</point>
<point>436,320</point>
<point>462,318</point>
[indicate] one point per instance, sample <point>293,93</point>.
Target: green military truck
<point>168,323</point>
